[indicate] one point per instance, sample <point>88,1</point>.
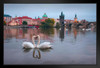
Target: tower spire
<point>35,17</point>
<point>75,16</point>
<point>75,19</point>
<point>62,19</point>
<point>62,13</point>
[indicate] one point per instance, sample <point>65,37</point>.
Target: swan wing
<point>45,46</point>
<point>45,43</point>
<point>27,45</point>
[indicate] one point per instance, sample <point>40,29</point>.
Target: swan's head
<point>35,36</point>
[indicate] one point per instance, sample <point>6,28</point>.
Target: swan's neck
<point>33,41</point>
<point>38,40</point>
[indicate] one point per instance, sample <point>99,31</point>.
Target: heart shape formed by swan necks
<point>43,45</point>
<point>33,40</point>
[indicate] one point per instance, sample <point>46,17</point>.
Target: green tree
<point>48,23</point>
<point>44,25</point>
<point>48,20</point>
<point>57,25</point>
<point>4,22</point>
<point>24,23</point>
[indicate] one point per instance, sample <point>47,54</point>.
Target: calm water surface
<point>69,46</point>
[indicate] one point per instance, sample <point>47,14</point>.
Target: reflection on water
<point>27,50</point>
<point>44,33</point>
<point>62,33</point>
<point>75,33</point>
<point>37,55</point>
<point>72,46</point>
<point>28,33</point>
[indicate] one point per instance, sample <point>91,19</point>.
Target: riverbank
<point>22,26</point>
<point>27,26</point>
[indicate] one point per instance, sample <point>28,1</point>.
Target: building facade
<point>19,21</point>
<point>7,18</point>
<point>13,23</point>
<point>56,21</point>
<point>29,20</point>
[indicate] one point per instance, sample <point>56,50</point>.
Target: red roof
<point>24,17</point>
<point>42,20</point>
<point>38,18</point>
<point>34,19</point>
<point>69,20</point>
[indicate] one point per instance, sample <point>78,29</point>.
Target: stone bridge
<point>80,25</point>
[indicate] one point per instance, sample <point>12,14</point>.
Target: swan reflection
<point>36,55</point>
<point>37,52</point>
<point>27,50</point>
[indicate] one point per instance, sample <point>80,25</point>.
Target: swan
<point>43,45</point>
<point>29,44</point>
<point>83,29</point>
<point>88,29</point>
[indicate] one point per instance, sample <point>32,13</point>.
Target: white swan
<point>88,29</point>
<point>29,44</point>
<point>83,29</point>
<point>44,44</point>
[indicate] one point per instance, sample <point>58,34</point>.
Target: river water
<point>70,46</point>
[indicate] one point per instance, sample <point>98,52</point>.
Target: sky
<point>83,11</point>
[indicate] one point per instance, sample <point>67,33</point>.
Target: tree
<point>44,25</point>
<point>49,20</point>
<point>48,23</point>
<point>57,25</point>
<point>24,23</point>
<point>4,22</point>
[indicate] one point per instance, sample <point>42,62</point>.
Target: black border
<point>51,2</point>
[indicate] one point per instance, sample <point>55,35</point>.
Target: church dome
<point>44,15</point>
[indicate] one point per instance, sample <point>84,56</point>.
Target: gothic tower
<point>62,19</point>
